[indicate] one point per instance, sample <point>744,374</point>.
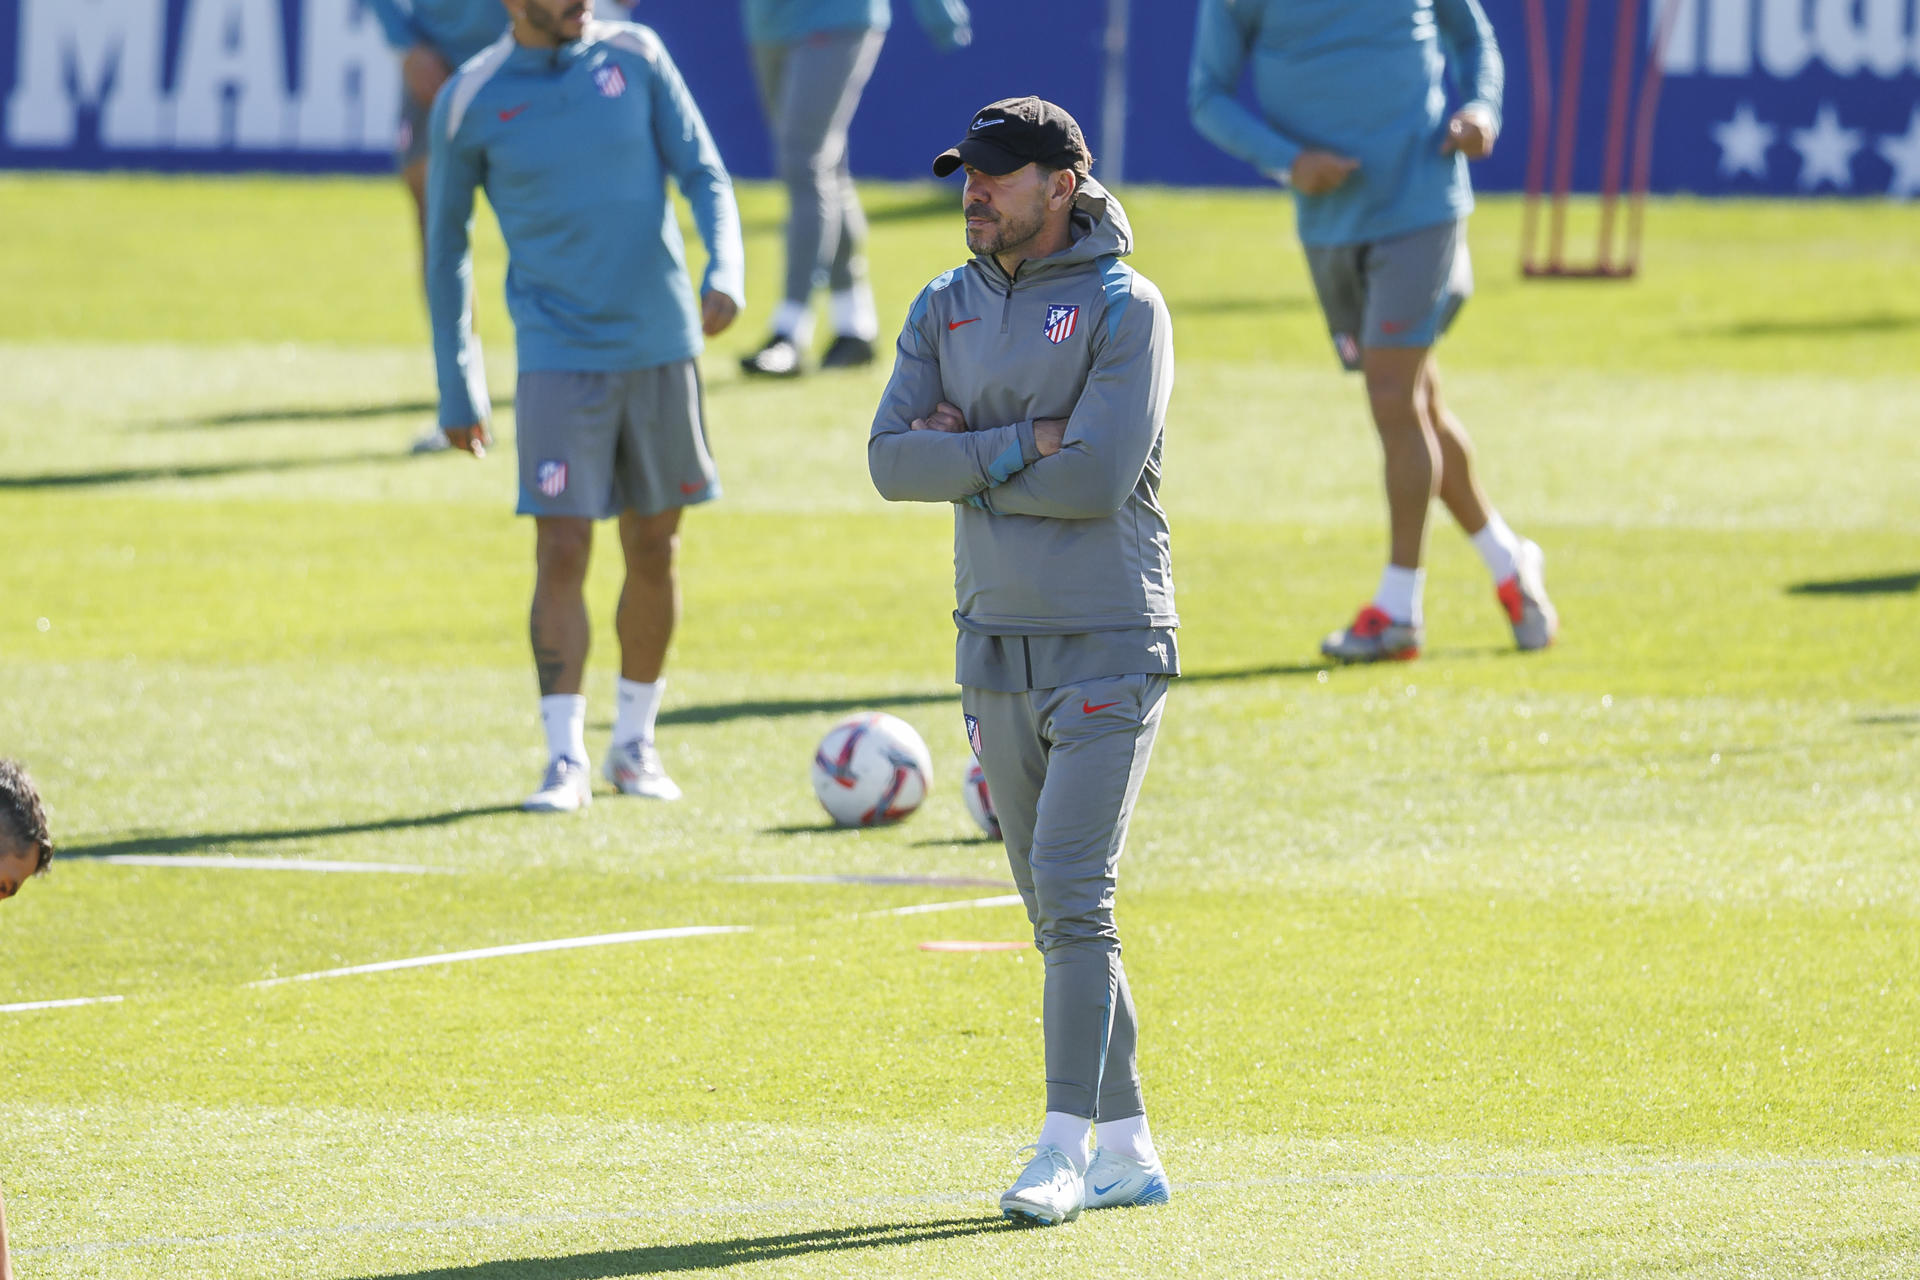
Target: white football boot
<point>1116,1182</point>
<point>634,769</point>
<point>1524,598</point>
<point>1048,1192</point>
<point>564,789</point>
<point>433,440</point>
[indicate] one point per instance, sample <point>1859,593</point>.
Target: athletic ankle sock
<point>1399,593</point>
<point>565,718</point>
<point>1069,1133</point>
<point>794,321</point>
<point>853,313</point>
<point>1127,1138</point>
<point>1498,546</point>
<point>636,706</point>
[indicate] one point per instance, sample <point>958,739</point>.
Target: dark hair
<point>21,817</point>
<point>1079,162</point>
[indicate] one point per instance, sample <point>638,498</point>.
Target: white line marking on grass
<point>931,882</point>
<point>984,1199</point>
<point>515,949</point>
<point>1004,900</point>
<point>272,864</point>
<point>59,1004</point>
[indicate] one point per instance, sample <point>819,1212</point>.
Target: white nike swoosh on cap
<point>981,124</point>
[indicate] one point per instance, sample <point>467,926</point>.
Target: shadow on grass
<point>1890,585</point>
<point>192,471</point>
<point>201,842</point>
<point>1236,306</point>
<point>1822,326</point>
<point>718,712</point>
<point>305,413</point>
<point>709,1255</point>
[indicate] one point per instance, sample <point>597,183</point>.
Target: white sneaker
<point>1524,597</point>
<point>564,789</point>
<point>634,769</point>
<point>1048,1192</point>
<point>1115,1182</point>
<point>433,440</point>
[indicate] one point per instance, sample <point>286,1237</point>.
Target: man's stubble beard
<point>1010,232</point>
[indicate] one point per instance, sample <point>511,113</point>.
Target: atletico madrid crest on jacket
<point>610,81</point>
<point>1060,322</point>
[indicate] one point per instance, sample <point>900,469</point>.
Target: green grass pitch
<point>1594,963</point>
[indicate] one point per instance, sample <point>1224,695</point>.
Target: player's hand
<point>473,438</point>
<point>1048,434</point>
<point>1471,132</point>
<point>423,71</point>
<point>1315,173</point>
<point>945,417</point>
<point>717,311</point>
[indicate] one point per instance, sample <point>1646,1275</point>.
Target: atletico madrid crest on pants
<point>551,477</point>
<point>1060,322</point>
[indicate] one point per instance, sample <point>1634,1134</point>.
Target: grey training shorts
<point>597,444</point>
<point>1400,292</point>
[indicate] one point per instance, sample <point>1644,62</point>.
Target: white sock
<point>565,718</point>
<point>853,313</point>
<point>1127,1138</point>
<point>1499,546</point>
<point>1399,593</point>
<point>794,320</point>
<point>1069,1133</point>
<point>637,704</point>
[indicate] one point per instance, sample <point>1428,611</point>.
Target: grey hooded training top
<point>1062,565</point>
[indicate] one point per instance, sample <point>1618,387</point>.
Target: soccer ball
<point>979,803</point>
<point>871,769</point>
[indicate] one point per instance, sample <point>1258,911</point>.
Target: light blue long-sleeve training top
<point>1365,78</point>
<point>455,29</point>
<point>947,22</point>
<point>574,147</point>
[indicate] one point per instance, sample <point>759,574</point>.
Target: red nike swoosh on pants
<point>1089,708</point>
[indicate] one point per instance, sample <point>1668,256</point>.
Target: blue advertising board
<point>1774,97</point>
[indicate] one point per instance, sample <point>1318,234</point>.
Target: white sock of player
<point>1399,593</point>
<point>853,313</point>
<point>565,718</point>
<point>794,320</point>
<point>1069,1133</point>
<point>1127,1138</point>
<point>1499,546</point>
<point>636,706</point>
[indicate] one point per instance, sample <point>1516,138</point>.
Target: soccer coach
<point>573,127</point>
<point>1030,388</point>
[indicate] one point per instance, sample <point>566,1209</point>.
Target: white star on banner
<point>1903,153</point>
<point>1826,150</point>
<point>1743,143</point>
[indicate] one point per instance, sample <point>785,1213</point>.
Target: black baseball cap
<point>1013,133</point>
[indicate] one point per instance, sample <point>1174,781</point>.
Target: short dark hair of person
<point>22,818</point>
<point>1080,164</point>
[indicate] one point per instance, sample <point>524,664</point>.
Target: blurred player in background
<point>1352,115</point>
<point>433,37</point>
<point>573,127</point>
<point>1030,389</point>
<point>812,58</point>
<point>25,850</point>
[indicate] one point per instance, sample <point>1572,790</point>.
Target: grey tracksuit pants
<point>1064,767</point>
<point>809,89</point>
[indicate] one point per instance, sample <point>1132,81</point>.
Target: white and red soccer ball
<point>979,803</point>
<point>871,769</point>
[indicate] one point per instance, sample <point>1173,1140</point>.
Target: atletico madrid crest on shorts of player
<point>1060,322</point>
<point>973,735</point>
<point>551,478</point>
<point>609,80</point>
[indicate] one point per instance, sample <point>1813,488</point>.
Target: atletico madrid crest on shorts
<point>1060,322</point>
<point>551,478</point>
<point>973,735</point>
<point>609,81</point>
